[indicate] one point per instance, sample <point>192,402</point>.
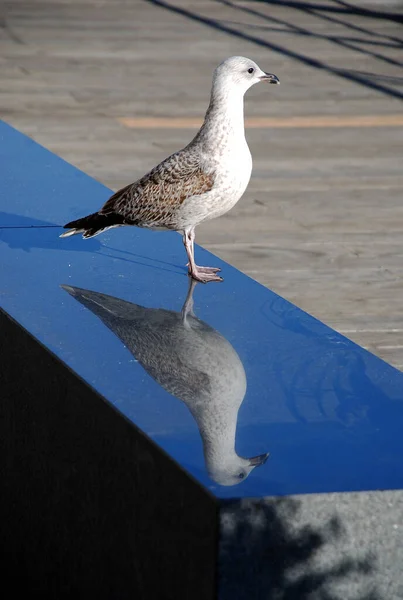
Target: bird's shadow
<point>44,234</point>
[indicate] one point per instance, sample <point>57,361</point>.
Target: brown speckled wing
<point>154,199</point>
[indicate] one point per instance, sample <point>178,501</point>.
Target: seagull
<point>193,362</point>
<point>200,182</point>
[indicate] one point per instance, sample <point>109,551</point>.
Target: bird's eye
<point>251,70</point>
<point>241,475</point>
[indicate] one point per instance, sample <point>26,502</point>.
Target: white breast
<point>225,154</point>
<point>233,175</point>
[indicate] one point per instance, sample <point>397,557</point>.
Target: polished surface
<point>329,413</point>
<point>191,361</point>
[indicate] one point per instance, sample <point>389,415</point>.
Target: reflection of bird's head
<point>236,469</point>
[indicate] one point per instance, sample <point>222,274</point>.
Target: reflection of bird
<point>190,360</point>
<point>200,182</point>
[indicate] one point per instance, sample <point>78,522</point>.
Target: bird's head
<point>241,73</point>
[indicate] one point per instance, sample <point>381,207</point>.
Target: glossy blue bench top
<point>249,374</point>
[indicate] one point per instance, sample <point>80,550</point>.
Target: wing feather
<point>155,198</point>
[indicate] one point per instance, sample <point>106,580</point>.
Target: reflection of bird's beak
<point>257,461</point>
<point>69,289</point>
<point>270,78</point>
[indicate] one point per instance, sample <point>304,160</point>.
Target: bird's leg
<point>201,269</point>
<point>203,274</point>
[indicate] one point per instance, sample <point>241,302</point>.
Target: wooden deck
<point>114,86</point>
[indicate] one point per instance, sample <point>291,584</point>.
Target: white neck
<point>224,120</point>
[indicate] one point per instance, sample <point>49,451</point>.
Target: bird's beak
<point>257,461</point>
<point>270,78</point>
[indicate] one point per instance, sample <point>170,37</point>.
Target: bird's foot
<point>205,274</point>
<point>205,269</point>
<point>208,269</point>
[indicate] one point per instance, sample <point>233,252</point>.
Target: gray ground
<point>98,82</point>
<point>318,547</point>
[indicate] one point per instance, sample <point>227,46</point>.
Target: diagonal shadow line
<point>10,33</point>
<point>369,12</point>
<point>163,262</point>
<point>398,45</point>
<point>306,33</point>
<point>182,271</point>
<point>306,60</point>
<point>313,8</point>
<point>332,19</point>
<point>345,8</point>
<point>379,77</point>
<point>333,39</point>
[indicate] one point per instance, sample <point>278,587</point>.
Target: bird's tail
<point>92,225</point>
